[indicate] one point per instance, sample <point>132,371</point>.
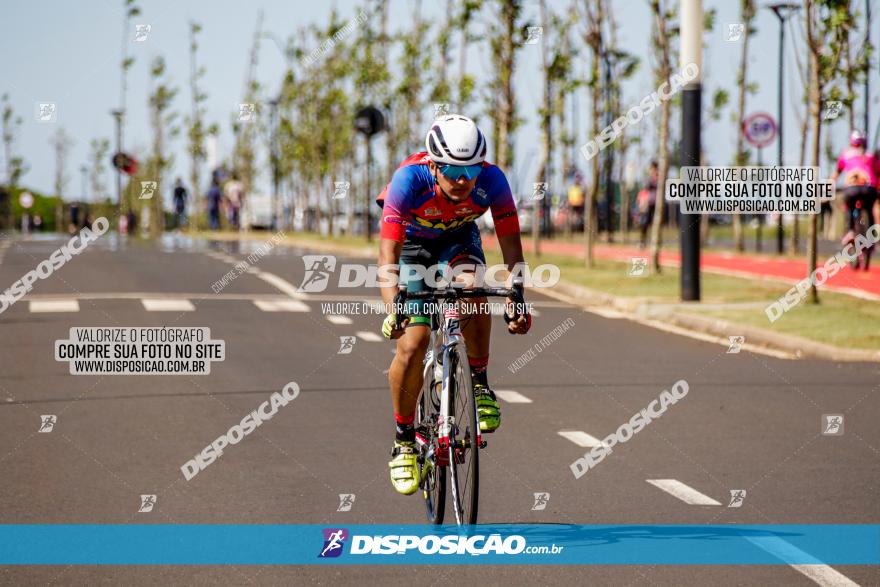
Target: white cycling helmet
<point>455,140</point>
<point>857,138</point>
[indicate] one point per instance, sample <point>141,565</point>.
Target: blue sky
<point>68,53</point>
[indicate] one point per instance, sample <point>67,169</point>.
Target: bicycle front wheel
<point>433,476</point>
<point>464,449</point>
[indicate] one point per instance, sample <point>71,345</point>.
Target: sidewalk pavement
<point>751,266</point>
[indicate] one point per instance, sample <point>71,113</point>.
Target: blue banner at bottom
<point>553,544</point>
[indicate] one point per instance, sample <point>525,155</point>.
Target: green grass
<point>838,320</point>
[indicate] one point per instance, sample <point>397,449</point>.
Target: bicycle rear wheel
<point>433,477</point>
<point>464,447</point>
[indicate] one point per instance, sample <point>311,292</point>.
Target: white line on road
<point>282,306</point>
<point>368,336</point>
<point>825,575</point>
<point>54,306</point>
<point>580,438</point>
<point>685,493</point>
<point>821,573</point>
<point>281,284</point>
<point>158,305</point>
<point>341,320</point>
<point>512,397</point>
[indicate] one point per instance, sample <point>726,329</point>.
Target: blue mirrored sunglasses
<point>454,172</point>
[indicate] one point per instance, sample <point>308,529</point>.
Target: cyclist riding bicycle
<point>428,219</point>
<point>861,173</point>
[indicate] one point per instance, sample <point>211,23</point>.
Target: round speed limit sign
<point>25,200</point>
<point>759,129</point>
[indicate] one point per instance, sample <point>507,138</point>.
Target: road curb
<point>644,312</point>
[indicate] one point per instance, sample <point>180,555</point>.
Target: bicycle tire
<point>463,462</point>
<point>432,478</point>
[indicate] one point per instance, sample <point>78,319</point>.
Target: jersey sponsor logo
<point>464,210</point>
<point>433,212</point>
<point>444,225</point>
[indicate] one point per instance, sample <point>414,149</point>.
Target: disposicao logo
<point>334,540</point>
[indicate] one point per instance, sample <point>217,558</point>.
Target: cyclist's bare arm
<point>389,256</point>
<point>511,250</point>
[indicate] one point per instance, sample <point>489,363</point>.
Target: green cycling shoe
<point>404,467</point>
<point>487,408</point>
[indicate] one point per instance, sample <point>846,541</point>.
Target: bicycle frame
<point>444,340</point>
<point>446,350</point>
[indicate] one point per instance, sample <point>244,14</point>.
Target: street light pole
<point>867,70</point>
<point>691,51</point>
<point>782,11</point>
<point>84,171</point>
<point>274,156</point>
<point>117,116</point>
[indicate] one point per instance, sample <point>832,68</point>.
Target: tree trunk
<point>738,235</point>
<point>805,127</point>
<point>503,157</point>
<point>664,70</point>
<point>815,113</point>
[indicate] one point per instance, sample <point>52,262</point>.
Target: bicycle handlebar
<point>515,293</point>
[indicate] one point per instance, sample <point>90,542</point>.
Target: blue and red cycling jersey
<point>414,207</point>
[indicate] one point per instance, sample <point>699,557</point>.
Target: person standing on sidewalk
<point>235,200</point>
<point>180,197</point>
<point>647,203</point>
<point>576,201</point>
<point>214,198</point>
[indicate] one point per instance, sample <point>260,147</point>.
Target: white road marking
<point>512,397</point>
<point>825,575</point>
<point>687,494</point>
<point>335,319</point>
<point>820,573</point>
<point>580,438</point>
<point>54,306</point>
<point>282,306</point>
<point>369,336</point>
<point>160,305</point>
<point>281,284</point>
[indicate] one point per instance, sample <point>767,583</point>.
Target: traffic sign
<point>759,129</point>
<point>25,200</point>
<point>369,121</point>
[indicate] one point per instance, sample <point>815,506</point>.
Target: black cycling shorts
<point>459,246</point>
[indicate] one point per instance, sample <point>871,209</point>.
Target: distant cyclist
<point>861,173</point>
<point>428,218</point>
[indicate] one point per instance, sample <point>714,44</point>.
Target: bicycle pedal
<point>483,444</point>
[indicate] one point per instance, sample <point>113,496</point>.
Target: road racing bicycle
<point>447,427</point>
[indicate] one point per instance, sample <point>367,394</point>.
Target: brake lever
<point>399,301</point>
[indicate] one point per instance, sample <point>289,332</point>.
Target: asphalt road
<point>749,422</point>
